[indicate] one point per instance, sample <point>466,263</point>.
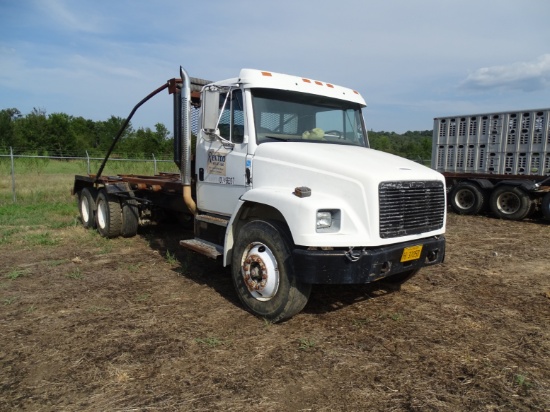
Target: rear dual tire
<point>130,218</point>
<point>467,199</point>
<point>87,207</point>
<point>511,202</point>
<point>109,215</point>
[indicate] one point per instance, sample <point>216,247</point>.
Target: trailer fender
<point>484,183</point>
<point>80,182</point>
<point>526,185</point>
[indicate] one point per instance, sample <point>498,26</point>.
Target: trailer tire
<point>87,207</point>
<point>467,198</point>
<point>546,206</point>
<point>109,215</point>
<point>130,218</point>
<point>263,272</point>
<point>510,202</point>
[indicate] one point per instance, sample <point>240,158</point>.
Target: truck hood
<point>349,162</point>
<point>342,178</point>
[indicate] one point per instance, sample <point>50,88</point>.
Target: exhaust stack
<point>185,139</point>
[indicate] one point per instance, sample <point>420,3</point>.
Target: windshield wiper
<point>281,139</point>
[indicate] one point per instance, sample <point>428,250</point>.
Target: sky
<point>411,60</point>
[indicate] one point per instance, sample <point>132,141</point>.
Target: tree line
<point>59,134</point>
<point>414,145</point>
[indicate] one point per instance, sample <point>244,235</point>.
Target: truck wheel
<point>263,272</point>
<point>510,202</point>
<point>467,199</point>
<point>87,207</point>
<point>546,206</point>
<point>109,215</point>
<point>130,218</point>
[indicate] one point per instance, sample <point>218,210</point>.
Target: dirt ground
<point>88,324</point>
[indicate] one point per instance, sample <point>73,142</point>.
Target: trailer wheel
<point>130,218</point>
<point>109,215</point>
<point>263,272</point>
<point>510,202</point>
<point>546,206</point>
<point>87,207</point>
<point>467,198</point>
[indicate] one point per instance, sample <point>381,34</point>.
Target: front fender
<point>300,216</point>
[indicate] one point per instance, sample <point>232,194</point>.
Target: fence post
<point>13,176</point>
<point>88,161</point>
<point>155,161</point>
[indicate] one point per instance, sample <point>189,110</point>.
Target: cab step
<point>203,247</point>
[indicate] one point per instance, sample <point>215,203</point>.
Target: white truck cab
<point>289,193</point>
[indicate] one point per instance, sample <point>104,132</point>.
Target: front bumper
<point>364,265</point>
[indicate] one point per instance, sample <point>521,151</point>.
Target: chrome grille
<point>408,208</point>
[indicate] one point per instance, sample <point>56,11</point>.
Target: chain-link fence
<point>13,166</point>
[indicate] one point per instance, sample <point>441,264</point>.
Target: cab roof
<point>252,78</point>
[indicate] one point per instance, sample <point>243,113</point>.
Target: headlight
<point>328,221</point>
<point>324,220</point>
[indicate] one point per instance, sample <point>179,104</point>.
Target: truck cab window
<point>291,116</point>
<point>231,123</point>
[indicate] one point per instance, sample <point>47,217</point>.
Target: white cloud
<point>99,57</point>
<point>525,76</point>
<point>64,17</point>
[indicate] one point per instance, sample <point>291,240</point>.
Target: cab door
<point>221,161</point>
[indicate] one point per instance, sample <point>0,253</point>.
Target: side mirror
<point>210,109</point>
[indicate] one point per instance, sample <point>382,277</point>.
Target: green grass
<point>43,195</point>
<point>40,166</point>
<point>396,317</point>
<point>16,273</point>
<point>43,212</point>
<point>6,235</point>
<point>522,381</point>
<point>76,274</point>
<point>40,179</point>
<point>171,258</point>
<point>41,239</point>
<point>306,344</point>
<point>211,342</point>
<point>9,300</point>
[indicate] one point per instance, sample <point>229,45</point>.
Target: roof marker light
<point>318,82</point>
<point>266,74</point>
<point>306,80</point>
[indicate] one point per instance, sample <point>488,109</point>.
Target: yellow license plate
<point>411,253</point>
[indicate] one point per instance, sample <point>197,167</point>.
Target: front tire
<point>263,272</point>
<point>510,202</point>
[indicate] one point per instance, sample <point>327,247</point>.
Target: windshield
<point>291,116</point>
